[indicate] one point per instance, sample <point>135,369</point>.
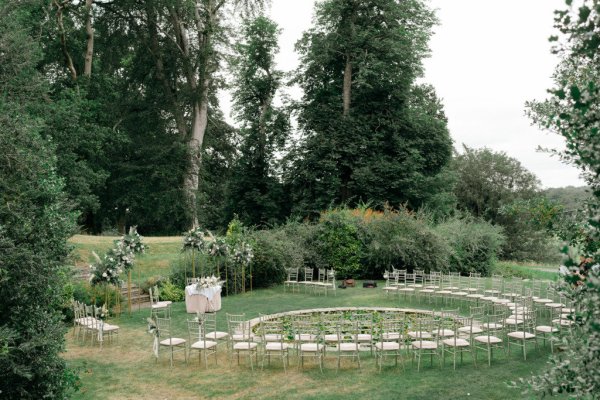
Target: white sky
<point>487,58</point>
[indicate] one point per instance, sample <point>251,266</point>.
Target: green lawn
<point>127,370</point>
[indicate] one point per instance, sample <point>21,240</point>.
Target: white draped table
<point>202,300</point>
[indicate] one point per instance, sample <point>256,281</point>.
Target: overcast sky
<point>487,59</point>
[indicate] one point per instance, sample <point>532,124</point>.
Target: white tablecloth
<point>202,300</point>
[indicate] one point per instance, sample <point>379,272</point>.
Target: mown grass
<point>127,369</point>
<point>526,270</point>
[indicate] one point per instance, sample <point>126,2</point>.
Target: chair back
<point>308,274</point>
<point>292,274</point>
<point>238,326</point>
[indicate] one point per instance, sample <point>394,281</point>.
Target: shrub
<point>151,282</point>
<point>274,251</point>
<point>401,239</point>
<point>93,294</point>
<point>339,244</point>
<point>171,292</point>
<point>474,244</point>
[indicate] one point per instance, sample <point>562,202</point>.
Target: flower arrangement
<point>243,254</point>
<point>208,282</point>
<point>117,260</point>
<point>197,239</point>
<point>218,248</point>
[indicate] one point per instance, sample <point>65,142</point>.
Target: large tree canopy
<point>35,223</point>
<point>370,134</point>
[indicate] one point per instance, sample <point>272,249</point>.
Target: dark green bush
<point>274,251</point>
<point>339,243</point>
<point>401,239</point>
<point>474,244</point>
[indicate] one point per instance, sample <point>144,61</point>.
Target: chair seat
<point>424,344</point>
<point>475,296</point>
<point>546,329</point>
<point>489,298</point>
<point>364,337</point>
<point>390,288</point>
<point>216,335</point>
<point>488,339</point>
<point>563,322</point>
<point>276,346</point>
<point>444,332</point>
<point>432,287</point>
<point>390,335</point>
<point>331,337</point>
<point>501,301</point>
<point>491,291</point>
<point>305,337</point>
<point>468,329</point>
<point>471,289</point>
<point>306,282</point>
<point>491,325</point>
<point>238,337</point>
<point>452,288</point>
<point>426,291</point>
<point>387,346</point>
<point>172,342</point>
<point>460,293</point>
<point>348,347</point>
<point>520,335</point>
<point>554,305</point>
<point>161,304</point>
<point>443,291</point>
<point>203,344</point>
<point>273,337</point>
<point>110,328</point>
<point>245,346</point>
<point>290,282</point>
<point>513,321</point>
<point>311,347</point>
<point>420,335</point>
<point>415,285</point>
<point>457,343</point>
<point>406,289</point>
<point>542,301</point>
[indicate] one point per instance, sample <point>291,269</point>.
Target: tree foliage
<point>35,222</point>
<point>572,112</point>
<point>255,193</point>
<point>369,133</point>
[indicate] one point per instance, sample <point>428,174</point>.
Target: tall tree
<point>255,193</point>
<point>369,134</point>
<point>35,223</point>
<point>184,38</point>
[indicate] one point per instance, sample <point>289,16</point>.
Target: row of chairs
<point>386,335</point>
<point>324,282</point>
<point>452,288</point>
<point>89,320</point>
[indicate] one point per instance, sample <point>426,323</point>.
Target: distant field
<point>156,261</point>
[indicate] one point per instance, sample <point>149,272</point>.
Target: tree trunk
<point>89,53</point>
<point>63,39</point>
<point>347,89</point>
